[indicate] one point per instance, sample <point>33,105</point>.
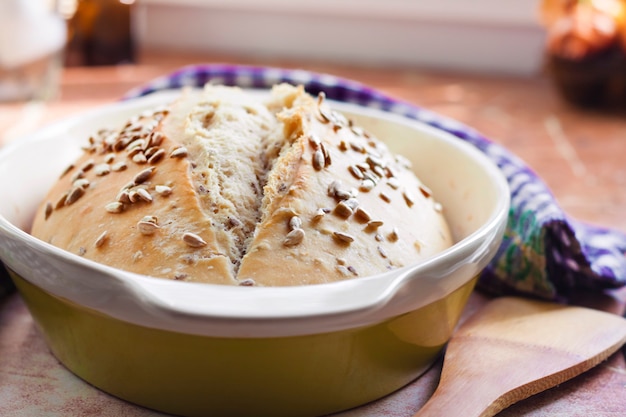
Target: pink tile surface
<point>33,383</point>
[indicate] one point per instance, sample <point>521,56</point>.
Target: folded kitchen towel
<point>544,252</point>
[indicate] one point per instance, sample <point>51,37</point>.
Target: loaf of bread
<point>228,187</point>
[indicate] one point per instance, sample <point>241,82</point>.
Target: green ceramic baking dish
<point>209,350</point>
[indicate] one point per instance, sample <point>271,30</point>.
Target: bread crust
<point>323,201</point>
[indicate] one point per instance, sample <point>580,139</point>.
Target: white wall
<point>489,36</point>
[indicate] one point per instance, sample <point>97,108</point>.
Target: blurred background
<point>579,44</point>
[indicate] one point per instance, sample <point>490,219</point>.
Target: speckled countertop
<point>579,154</point>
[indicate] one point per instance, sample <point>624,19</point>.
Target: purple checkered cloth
<point>544,252</point>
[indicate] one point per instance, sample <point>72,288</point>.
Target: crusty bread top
<point>222,188</point>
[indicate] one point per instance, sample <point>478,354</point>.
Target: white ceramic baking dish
<point>201,349</point>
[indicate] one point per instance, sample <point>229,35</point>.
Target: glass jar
<point>32,38</point>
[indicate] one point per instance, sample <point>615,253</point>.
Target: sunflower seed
<point>343,237</point>
<point>78,175</point>
<point>178,152</point>
<point>374,224</point>
<point>353,203</point>
<point>101,239</point>
<point>425,191</point>
<point>66,170</point>
<point>325,114</point>
<point>318,160</point>
<point>163,190</point>
<point>74,195</point>
<point>248,282</point>
<point>326,153</point>
<point>123,196</point>
<point>82,183</point>
<point>119,166</point>
<point>393,183</point>
<point>319,214</point>
<point>343,210</point>
<point>102,169</point>
<point>314,141</point>
<point>356,147</point>
<point>48,210</point>
<point>87,165</point>
<point>393,235</point>
<point>143,194</point>
<point>193,240</point>
<point>333,187</point>
<point>114,207</point>
<point>385,197</point>
<point>147,227</point>
<point>137,144</point>
<point>367,185</point>
<point>156,138</point>
<point>294,237</point>
<point>381,251</point>
<point>408,198</point>
<point>356,172</point>
<point>156,157</point>
<point>143,176</point>
<point>295,223</point>
<point>362,214</point>
<point>140,159</point>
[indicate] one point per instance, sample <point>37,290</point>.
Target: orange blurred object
<point>586,50</point>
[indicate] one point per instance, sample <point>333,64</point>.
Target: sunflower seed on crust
<point>374,224</point>
<point>343,237</point>
<point>294,237</point>
<point>147,227</point>
<point>114,207</point>
<point>143,176</point>
<point>101,239</point>
<point>102,169</point>
<point>87,165</point>
<point>343,210</point>
<point>163,190</point>
<point>367,185</point>
<point>248,282</point>
<point>314,141</point>
<point>82,183</point>
<point>74,195</point>
<point>156,157</point>
<point>356,172</point>
<point>425,191</point>
<point>48,210</point>
<point>393,235</point>
<point>295,223</point>
<point>319,214</point>
<point>362,214</point>
<point>140,159</point>
<point>193,240</point>
<point>408,198</point>
<point>144,195</point>
<point>318,160</point>
<point>119,166</point>
<point>178,152</point>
